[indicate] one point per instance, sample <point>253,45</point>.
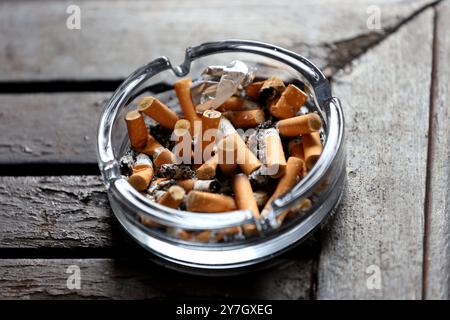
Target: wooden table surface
<point>394,86</point>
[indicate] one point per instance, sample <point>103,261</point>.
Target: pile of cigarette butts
<point>238,144</point>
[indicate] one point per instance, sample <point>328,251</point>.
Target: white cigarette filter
<point>299,125</point>
<point>289,103</point>
<point>274,155</point>
<point>158,111</point>
<point>137,131</point>
<point>199,201</point>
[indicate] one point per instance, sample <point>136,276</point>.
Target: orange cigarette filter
<point>210,125</point>
<point>246,160</point>
<point>287,181</point>
<point>276,161</point>
<point>158,111</point>
<point>243,194</point>
<point>181,135</point>
<point>186,184</point>
<point>137,131</point>
<point>148,221</point>
<point>245,118</point>
<point>227,153</point>
<point>312,147</point>
<point>207,170</point>
<point>173,197</point>
<point>237,104</point>
<point>183,91</point>
<point>295,148</point>
<point>151,145</point>
<point>289,103</point>
<point>299,125</point>
<point>199,201</point>
<point>163,156</point>
<point>140,179</point>
<point>302,206</point>
<point>252,90</point>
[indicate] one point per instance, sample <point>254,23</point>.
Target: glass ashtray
<point>175,238</point>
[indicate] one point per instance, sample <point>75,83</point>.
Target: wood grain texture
<point>437,254</point>
<point>385,96</point>
<point>54,212</point>
<point>52,128</point>
<point>118,36</point>
<point>140,279</point>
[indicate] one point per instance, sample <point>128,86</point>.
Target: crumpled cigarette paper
<point>218,83</point>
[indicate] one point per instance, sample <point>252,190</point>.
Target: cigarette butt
<point>151,145</point>
<point>299,125</point>
<point>199,201</point>
<point>289,103</point>
<point>295,148</point>
<point>221,234</point>
<point>210,125</point>
<point>142,161</point>
<point>207,170</point>
<point>179,233</point>
<point>300,207</point>
<point>183,91</point>
<point>160,184</point>
<point>270,90</point>
<point>203,236</point>
<point>275,159</point>
<point>243,194</point>
<point>186,184</point>
<point>312,148</point>
<point>261,198</point>
<point>226,150</point>
<point>252,90</point>
<point>140,179</point>
<point>237,104</point>
<point>163,156</point>
<point>182,124</point>
<point>137,131</point>
<point>176,171</point>
<point>200,185</point>
<point>246,160</point>
<point>183,140</point>
<point>158,111</point>
<point>287,181</point>
<point>148,221</point>
<point>245,118</point>
<point>173,197</point>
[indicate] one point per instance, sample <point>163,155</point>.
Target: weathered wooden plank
<point>69,212</point>
<point>380,226</point>
<point>116,37</point>
<point>141,279</point>
<point>58,128</point>
<point>437,251</point>
<point>54,212</point>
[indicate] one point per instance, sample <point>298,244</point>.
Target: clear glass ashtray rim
<point>135,202</point>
